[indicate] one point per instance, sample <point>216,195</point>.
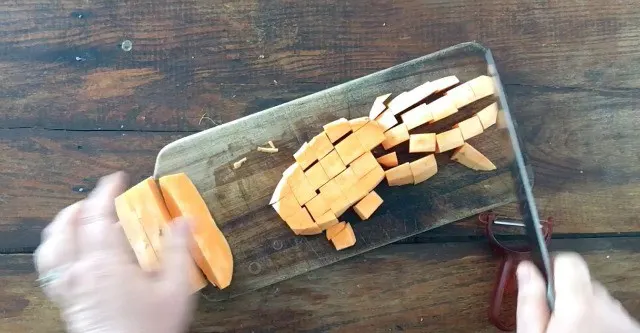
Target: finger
<point>97,230</point>
<point>177,265</point>
<point>572,281</point>
<point>60,223</point>
<point>532,315</point>
<point>57,247</point>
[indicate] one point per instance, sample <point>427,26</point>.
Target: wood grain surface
<point>569,68</point>
<point>413,287</point>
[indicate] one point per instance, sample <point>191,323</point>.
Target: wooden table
<point>77,103</point>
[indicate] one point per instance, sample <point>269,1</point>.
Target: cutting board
<point>265,250</point>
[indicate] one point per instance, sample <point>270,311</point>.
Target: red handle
<point>505,295</point>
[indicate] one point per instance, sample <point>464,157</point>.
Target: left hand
<point>87,267</point>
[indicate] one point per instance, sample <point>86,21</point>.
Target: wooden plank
<point>416,287</point>
<point>238,199</point>
<point>242,58</point>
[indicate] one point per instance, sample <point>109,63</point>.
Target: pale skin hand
<point>99,286</point>
<point>581,305</point>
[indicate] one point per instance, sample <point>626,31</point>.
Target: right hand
<point>581,305</point>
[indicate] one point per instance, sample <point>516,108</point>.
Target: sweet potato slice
<point>424,168</point>
<point>365,185</point>
<point>210,251</point>
<point>389,160</point>
<point>395,136</point>
<point>462,95</point>
<point>335,229</point>
<point>349,149</point>
<point>344,239</point>
<point>488,115</point>
<point>368,205</point>
<point>472,158</point>
<point>357,123</point>
<point>482,86</point>
<point>400,175</point>
<point>301,223</point>
<point>449,140</point>
<point>386,120</point>
<point>445,83</point>
<point>320,145</point>
<point>417,116</point>
<point>411,98</point>
<point>378,106</point>
<point>370,135</point>
<point>316,176</point>
<point>337,129</point>
<point>327,220</point>
<point>422,143</point>
<point>303,190</point>
<point>332,164</point>
<point>317,207</point>
<point>305,156</point>
<point>286,206</point>
<point>281,190</point>
<point>363,164</point>
<point>442,107</point>
<point>470,127</point>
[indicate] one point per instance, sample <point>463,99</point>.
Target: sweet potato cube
<point>488,115</point>
<point>449,140</point>
<point>389,160</point>
<point>339,205</point>
<point>370,135</point>
<point>305,156</point>
<point>422,143</point>
<point>303,191</point>
<point>321,145</point>
<point>417,116</point>
<point>470,127</point>
<point>330,190</point>
<point>335,229</point>
<point>337,129</point>
<point>394,102</point>
<point>281,190</point>
<point>462,95</point>
<point>424,168</point>
<point>345,238</point>
<point>357,123</point>
<point>316,176</point>
<point>482,86</point>
<point>317,207</point>
<point>293,174</point>
<point>386,120</point>
<point>379,105</point>
<point>363,164</point>
<point>301,223</point>
<point>368,205</point>
<point>332,164</point>
<point>355,194</point>
<point>346,179</point>
<point>442,108</point>
<point>445,83</point>
<point>472,158</point>
<point>349,149</point>
<point>400,175</point>
<point>287,206</point>
<point>395,136</point>
<point>327,220</point>
<point>371,179</point>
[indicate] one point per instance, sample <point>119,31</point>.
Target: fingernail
<point>524,274</point>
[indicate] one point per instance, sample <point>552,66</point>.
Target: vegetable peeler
<point>524,193</point>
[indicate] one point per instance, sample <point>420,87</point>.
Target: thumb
<point>177,264</point>
<point>532,314</point>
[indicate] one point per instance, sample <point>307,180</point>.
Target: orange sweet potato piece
<point>210,249</point>
<point>389,160</point>
<point>449,140</point>
<point>368,205</point>
<point>472,158</point>
<point>395,136</point>
<point>422,143</point>
<point>423,168</point>
<point>337,129</point>
<point>142,211</point>
<point>335,229</point>
<point>379,106</point>
<point>345,238</point>
<point>488,115</point>
<point>400,175</point>
<point>470,127</point>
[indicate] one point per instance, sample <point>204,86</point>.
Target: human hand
<point>581,305</point>
<point>87,267</point>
